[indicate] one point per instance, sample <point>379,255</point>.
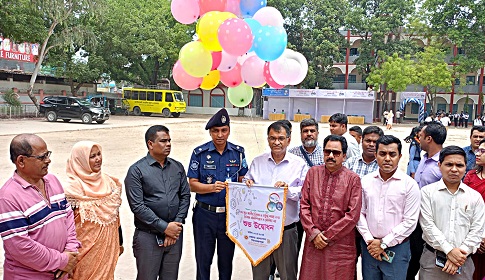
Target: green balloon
<point>241,95</point>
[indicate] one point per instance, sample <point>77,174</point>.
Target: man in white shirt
<point>280,168</point>
<point>452,218</point>
<point>445,120</point>
<point>338,126</point>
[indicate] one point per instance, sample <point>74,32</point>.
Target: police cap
<point>220,118</point>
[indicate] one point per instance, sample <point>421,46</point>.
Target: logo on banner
<point>255,219</point>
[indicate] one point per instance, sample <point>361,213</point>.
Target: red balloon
<point>232,78</point>
<point>216,60</point>
<point>212,5</point>
<point>269,80</point>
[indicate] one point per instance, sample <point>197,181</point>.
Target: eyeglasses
<point>336,153</point>
<point>479,151</point>
<point>41,157</point>
<point>273,139</point>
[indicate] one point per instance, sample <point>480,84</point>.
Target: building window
<point>461,51</point>
<point>218,98</point>
<point>352,78</point>
<point>339,78</point>
<point>195,98</point>
<point>354,51</point>
<point>470,80</point>
<point>457,82</point>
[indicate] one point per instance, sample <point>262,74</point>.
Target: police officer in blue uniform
<point>211,165</point>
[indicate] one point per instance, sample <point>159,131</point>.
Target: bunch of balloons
<point>241,43</point>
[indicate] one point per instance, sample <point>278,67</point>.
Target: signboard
<point>276,92</point>
<point>421,95</point>
<point>255,219</point>
<point>329,93</point>
<point>25,52</point>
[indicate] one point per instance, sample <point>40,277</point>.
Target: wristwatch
<point>383,246</point>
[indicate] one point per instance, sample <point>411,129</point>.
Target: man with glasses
<point>330,208</point>
<point>280,168</point>
<point>37,225</point>
<point>211,165</point>
<point>476,135</point>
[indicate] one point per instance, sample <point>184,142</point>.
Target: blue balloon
<point>270,42</point>
<point>255,26</point>
<point>250,7</point>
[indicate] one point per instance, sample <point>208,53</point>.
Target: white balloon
<point>269,16</point>
<point>284,71</point>
<point>241,59</point>
<point>227,62</point>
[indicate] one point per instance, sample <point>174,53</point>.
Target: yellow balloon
<point>211,80</point>
<point>195,59</point>
<point>208,26</point>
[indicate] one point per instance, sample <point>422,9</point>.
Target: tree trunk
<point>71,85</point>
<point>156,68</point>
<point>76,89</point>
<point>43,51</point>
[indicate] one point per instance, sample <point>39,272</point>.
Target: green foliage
<point>395,72</point>
<point>11,98</point>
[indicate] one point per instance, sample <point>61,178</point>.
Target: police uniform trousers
<point>156,262</point>
<point>285,258</point>
<point>429,270</point>
<point>208,227</point>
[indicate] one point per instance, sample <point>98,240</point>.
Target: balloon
<point>232,78</point>
<point>216,60</point>
<point>270,42</point>
<point>284,70</point>
<point>195,59</point>
<point>255,26</point>
<point>269,16</point>
<point>227,62</point>
<point>269,80</point>
<point>235,36</point>
<point>301,59</point>
<point>184,80</point>
<point>211,80</point>
<point>252,71</point>
<point>232,6</point>
<point>208,26</point>
<point>185,11</point>
<point>212,5</point>
<point>250,7</point>
<point>244,57</point>
<point>241,95</point>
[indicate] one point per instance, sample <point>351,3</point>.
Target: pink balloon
<point>232,78</point>
<point>216,59</point>
<point>284,70</point>
<point>252,71</point>
<point>184,80</point>
<point>227,62</point>
<point>232,6</point>
<point>269,80</point>
<point>185,11</point>
<point>212,5</point>
<point>235,36</point>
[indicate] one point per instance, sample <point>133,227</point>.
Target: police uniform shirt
<point>208,166</point>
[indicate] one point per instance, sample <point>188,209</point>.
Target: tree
<point>381,25</point>
<point>313,30</point>
<point>140,40</point>
<point>432,72</point>
<point>393,74</point>
<point>61,26</point>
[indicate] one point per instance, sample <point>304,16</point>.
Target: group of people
<point>388,118</point>
<point>346,194</point>
<point>458,119</point>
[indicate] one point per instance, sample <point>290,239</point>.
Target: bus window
<point>168,97</point>
<point>150,96</point>
<point>134,95</point>
<point>127,94</point>
<point>158,96</point>
<point>178,96</point>
<point>143,95</point>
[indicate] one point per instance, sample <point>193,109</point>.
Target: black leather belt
<point>211,208</point>
<point>433,250</point>
<point>290,226</point>
<point>152,231</point>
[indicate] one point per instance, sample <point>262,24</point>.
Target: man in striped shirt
<point>36,221</point>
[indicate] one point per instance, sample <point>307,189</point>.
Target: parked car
<point>68,108</point>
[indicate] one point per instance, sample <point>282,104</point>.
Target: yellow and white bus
<point>154,101</point>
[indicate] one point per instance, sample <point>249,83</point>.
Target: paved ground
<point>122,140</point>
